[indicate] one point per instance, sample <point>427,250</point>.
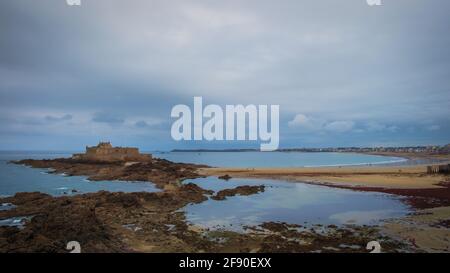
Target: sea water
<point>18,178</point>
<point>277,159</point>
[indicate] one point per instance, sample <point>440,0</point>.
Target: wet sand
<point>392,177</point>
<point>413,155</point>
<point>427,230</point>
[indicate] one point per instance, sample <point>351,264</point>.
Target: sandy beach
<point>392,177</point>
<point>427,230</point>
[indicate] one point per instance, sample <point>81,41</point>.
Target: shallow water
<point>295,203</point>
<point>18,222</point>
<point>277,159</point>
<point>17,178</point>
<point>6,206</point>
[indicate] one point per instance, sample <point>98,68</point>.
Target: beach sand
<point>428,230</point>
<point>393,177</point>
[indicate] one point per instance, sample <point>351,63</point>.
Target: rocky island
<point>105,162</point>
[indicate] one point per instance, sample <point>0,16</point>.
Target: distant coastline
<point>435,153</point>
<point>435,149</point>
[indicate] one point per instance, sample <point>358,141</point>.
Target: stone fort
<point>104,151</point>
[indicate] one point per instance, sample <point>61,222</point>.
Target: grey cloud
<point>56,119</point>
<point>340,126</point>
<point>311,124</point>
<point>332,60</point>
<point>109,118</point>
<point>433,127</point>
<point>141,124</point>
<point>149,125</point>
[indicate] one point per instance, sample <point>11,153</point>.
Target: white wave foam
<point>360,164</point>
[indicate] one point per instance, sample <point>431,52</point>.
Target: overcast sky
<point>344,73</point>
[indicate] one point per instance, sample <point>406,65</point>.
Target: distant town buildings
<point>413,149</point>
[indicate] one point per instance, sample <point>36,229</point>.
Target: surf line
<point>236,126</point>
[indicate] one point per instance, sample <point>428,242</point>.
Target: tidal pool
<point>295,203</point>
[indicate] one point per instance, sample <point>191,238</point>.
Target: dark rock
<point>240,190</point>
<point>225,177</point>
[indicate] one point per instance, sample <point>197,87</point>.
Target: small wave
<point>18,222</point>
<point>360,164</point>
<point>6,206</point>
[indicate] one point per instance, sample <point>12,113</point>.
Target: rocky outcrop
<point>225,177</point>
<point>97,221</point>
<point>158,171</point>
<point>240,190</point>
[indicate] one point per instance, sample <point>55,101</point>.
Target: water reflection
<point>16,178</point>
<point>289,202</point>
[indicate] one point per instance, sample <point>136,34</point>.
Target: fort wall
<point>104,151</point>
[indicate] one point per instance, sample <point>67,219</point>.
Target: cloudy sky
<point>344,73</point>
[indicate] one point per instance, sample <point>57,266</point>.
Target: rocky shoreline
<point>161,172</point>
<point>99,221</point>
<point>155,222</point>
<point>112,221</point>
